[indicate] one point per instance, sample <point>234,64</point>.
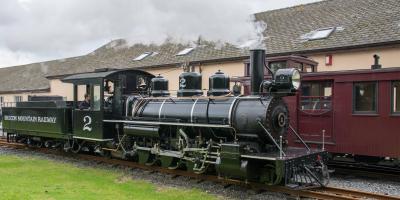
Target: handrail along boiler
<point>241,137</point>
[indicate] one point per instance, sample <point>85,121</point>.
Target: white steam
<point>37,30</point>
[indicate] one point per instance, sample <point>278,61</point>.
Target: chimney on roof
<point>376,64</point>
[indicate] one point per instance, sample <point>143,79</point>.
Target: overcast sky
<point>40,30</point>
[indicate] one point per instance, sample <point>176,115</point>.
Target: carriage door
<point>315,112</point>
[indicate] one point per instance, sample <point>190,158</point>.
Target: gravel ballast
<point>373,185</point>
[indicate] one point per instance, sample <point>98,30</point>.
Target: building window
<point>145,55</point>
<point>396,97</point>
<point>365,97</point>
<point>246,69</point>
<point>142,56</point>
<point>18,98</point>
<point>185,51</point>
<point>318,34</point>
<point>1,101</point>
<point>316,96</point>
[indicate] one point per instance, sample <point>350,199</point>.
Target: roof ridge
<point>292,7</point>
<point>43,62</point>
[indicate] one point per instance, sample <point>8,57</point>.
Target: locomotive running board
<point>93,139</point>
<point>168,123</point>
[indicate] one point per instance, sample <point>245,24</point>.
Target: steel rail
<point>333,193</point>
<point>342,169</point>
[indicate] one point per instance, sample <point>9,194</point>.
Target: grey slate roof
<point>116,54</point>
<point>364,22</point>
<point>24,78</point>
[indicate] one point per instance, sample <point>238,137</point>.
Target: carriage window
<point>96,97</point>
<point>365,97</point>
<point>274,66</point>
<point>296,65</point>
<point>308,68</point>
<point>316,96</point>
<point>396,97</point>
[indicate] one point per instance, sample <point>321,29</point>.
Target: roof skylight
<point>319,34</point>
<point>142,56</point>
<point>185,51</point>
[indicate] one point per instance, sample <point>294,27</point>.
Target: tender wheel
<point>39,144</point>
<point>47,144</point>
<point>76,147</point>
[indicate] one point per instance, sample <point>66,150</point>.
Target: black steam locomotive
<point>133,116</point>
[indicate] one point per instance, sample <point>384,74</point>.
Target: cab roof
<point>100,75</point>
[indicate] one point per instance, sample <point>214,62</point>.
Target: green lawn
<point>33,178</point>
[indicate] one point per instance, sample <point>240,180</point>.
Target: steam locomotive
<point>230,135</point>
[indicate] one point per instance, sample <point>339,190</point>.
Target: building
<point>338,34</point>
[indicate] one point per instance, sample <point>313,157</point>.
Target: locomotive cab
<point>107,90</point>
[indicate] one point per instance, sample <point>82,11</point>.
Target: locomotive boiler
<point>256,118</point>
<point>233,136</point>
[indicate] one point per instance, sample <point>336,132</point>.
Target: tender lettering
<point>27,118</point>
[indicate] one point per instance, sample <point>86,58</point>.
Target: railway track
<point>316,193</point>
<point>388,173</point>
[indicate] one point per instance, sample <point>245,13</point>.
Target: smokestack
<point>257,60</point>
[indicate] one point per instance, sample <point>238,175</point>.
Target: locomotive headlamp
<point>296,79</point>
<point>287,79</point>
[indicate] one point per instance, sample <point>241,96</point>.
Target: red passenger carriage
<point>357,111</point>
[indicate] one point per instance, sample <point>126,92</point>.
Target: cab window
<point>108,95</point>
<point>96,97</point>
<point>82,90</point>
